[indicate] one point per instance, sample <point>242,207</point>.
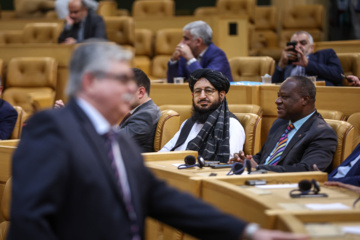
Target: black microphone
<point>190,160</point>
<point>304,185</point>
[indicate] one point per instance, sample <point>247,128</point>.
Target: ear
<point>222,95</point>
<point>87,81</point>
<point>306,100</point>
<point>199,41</point>
<point>312,48</point>
<point>142,92</point>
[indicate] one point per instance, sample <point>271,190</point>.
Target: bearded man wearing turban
<point>212,130</point>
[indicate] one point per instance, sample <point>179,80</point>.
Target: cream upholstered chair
<point>30,75</point>
<point>1,69</point>
<point>252,125</point>
<point>41,32</point>
<point>251,68</point>
<point>165,44</point>
<point>144,40</point>
<point>332,114</point>
<point>107,8</point>
<point>167,126</point>
<point>354,119</point>
<point>121,31</point>
<point>302,17</point>
<point>246,108</point>
<point>205,11</point>
<point>350,63</point>
<point>153,8</point>
<point>19,123</point>
<point>5,210</point>
<point>345,135</point>
<point>32,8</point>
<point>12,37</point>
<point>237,8</point>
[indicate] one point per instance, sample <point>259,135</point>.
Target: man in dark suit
<point>75,178</point>
<point>300,137</point>
<point>302,60</point>
<point>195,51</point>
<point>142,120</point>
<point>81,24</point>
<point>8,117</point>
<point>348,171</point>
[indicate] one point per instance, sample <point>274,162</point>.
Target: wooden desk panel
<point>232,197</point>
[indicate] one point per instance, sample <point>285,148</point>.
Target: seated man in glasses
<point>302,61</point>
<point>212,130</point>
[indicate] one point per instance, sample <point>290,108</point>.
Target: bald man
<point>81,24</point>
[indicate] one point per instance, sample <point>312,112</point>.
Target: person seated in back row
<point>81,24</point>
<point>212,130</point>
<point>300,137</point>
<point>195,51</point>
<point>302,60</point>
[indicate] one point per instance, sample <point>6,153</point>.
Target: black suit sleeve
<point>34,201</point>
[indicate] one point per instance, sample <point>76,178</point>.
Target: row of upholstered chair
<point>30,83</point>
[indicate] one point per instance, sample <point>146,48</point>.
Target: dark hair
<point>217,79</point>
<point>305,87</point>
<point>142,79</point>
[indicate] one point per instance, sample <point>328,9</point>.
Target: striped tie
<point>275,157</point>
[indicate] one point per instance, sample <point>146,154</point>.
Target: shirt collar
<point>100,124</point>
<point>300,122</point>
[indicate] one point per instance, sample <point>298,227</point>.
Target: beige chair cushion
<point>32,72</point>
<point>205,11</point>
<point>246,108</point>
<point>251,68</point>
<point>11,37</point>
<point>354,119</point>
<point>120,30</point>
<point>166,40</point>
<point>159,66</point>
<point>167,126</point>
<point>143,63</point>
<point>332,114</point>
<point>252,126</point>
<point>304,17</point>
<point>345,135</point>
<point>107,8</point>
<point>153,8</point>
<point>41,32</point>
<point>266,18</point>
<point>350,63</point>
<point>144,40</point>
<point>237,8</point>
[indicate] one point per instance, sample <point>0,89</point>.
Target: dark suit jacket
<point>324,64</point>
<point>8,117</point>
<point>214,58</point>
<point>353,176</point>
<point>94,28</point>
<point>64,187</point>
<point>314,142</point>
<point>141,125</point>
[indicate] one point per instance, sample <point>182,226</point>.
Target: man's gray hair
<point>200,29</point>
<point>93,57</point>
<point>311,40</point>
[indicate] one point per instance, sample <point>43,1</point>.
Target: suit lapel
<point>348,160</point>
<point>299,135</point>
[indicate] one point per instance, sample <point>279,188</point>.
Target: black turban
<point>217,79</point>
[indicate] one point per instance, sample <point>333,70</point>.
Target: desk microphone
<point>307,189</point>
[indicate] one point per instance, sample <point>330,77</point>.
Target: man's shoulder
<point>5,106</point>
<point>212,48</point>
<point>327,51</point>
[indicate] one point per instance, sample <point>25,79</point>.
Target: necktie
<point>280,147</point>
<point>110,140</point>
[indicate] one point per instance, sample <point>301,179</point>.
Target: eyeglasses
<point>208,91</point>
<point>124,78</point>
